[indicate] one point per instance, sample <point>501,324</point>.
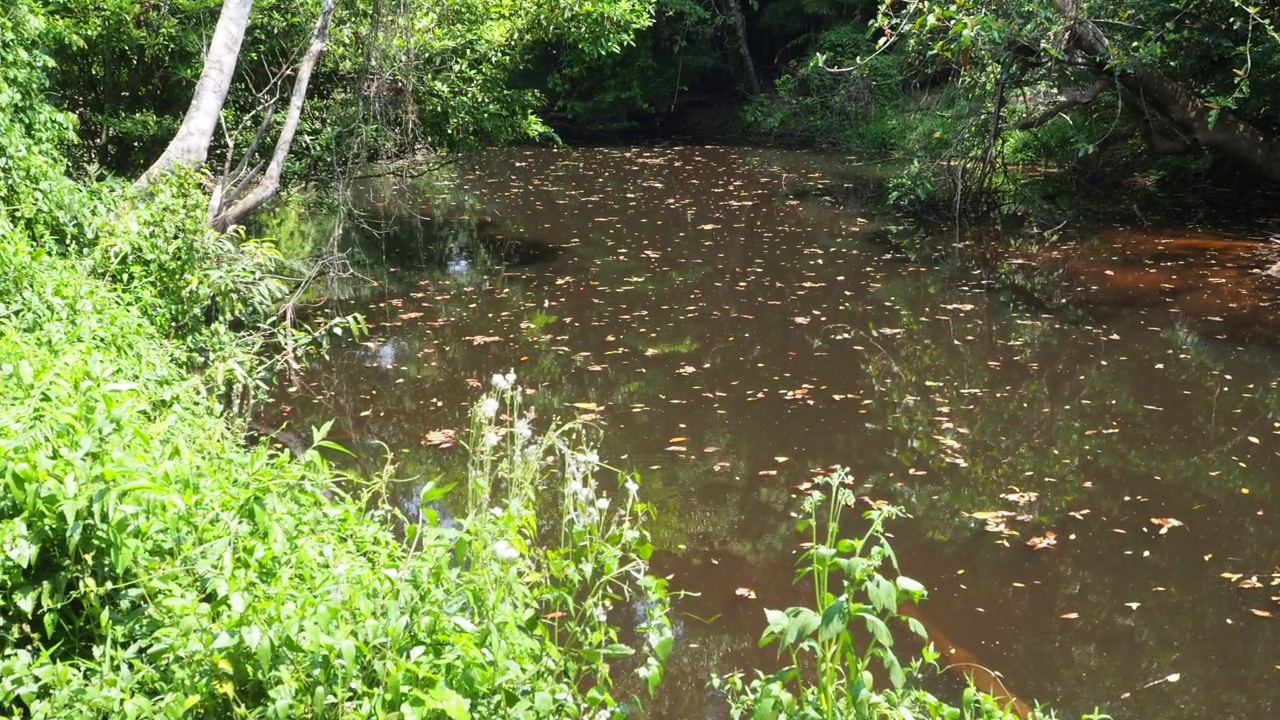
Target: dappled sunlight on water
<point>734,335</point>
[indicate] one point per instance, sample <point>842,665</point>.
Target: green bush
<point>152,567</point>
<point>856,108</point>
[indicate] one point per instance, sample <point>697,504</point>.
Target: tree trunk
<point>233,210</point>
<point>739,23</point>
<point>190,145</point>
<point>1187,112</point>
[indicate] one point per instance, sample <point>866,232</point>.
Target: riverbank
<point>154,566</point>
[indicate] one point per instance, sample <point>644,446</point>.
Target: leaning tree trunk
<point>1186,111</point>
<point>230,208</point>
<point>739,23</point>
<point>190,145</point>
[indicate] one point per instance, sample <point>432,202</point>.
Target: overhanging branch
<point>1188,113</point>
<point>1071,97</point>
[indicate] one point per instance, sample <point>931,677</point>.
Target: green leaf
<point>662,648</point>
<point>835,620</point>
<point>917,627</point>
<point>617,650</point>
<point>878,630</point>
<point>801,624</point>
<point>453,705</point>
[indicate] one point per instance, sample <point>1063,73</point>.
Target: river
<point>733,330</point>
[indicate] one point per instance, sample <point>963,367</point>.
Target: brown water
<point>738,333</point>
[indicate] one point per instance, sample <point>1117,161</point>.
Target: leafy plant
<point>836,647</point>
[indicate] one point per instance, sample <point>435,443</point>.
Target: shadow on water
<point>466,249</point>
<point>736,330</point>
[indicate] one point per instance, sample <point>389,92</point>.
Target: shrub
<point>150,566</point>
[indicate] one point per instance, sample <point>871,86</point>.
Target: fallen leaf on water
<point>585,406</point>
<point>440,438</point>
<point>1041,542</point>
<point>677,440</point>
<point>1261,613</point>
<point>1022,498</point>
<point>1069,616</point>
<point>747,593</point>
<point>1166,523</point>
<point>1132,606</point>
<point>990,514</point>
<point>554,615</point>
<point>675,448</point>
<point>483,339</point>
<point>781,459</point>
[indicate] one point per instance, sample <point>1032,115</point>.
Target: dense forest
<point>158,561</point>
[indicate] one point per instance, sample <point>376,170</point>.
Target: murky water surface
<point>738,333</point>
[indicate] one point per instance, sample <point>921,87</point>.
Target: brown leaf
<point>1041,542</point>
<point>1166,523</point>
<point>440,438</point>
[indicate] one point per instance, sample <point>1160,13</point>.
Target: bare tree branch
<point>1071,97</point>
<point>269,185</point>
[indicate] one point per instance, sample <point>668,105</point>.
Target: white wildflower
<point>500,382</point>
<point>510,377</point>
<point>505,551</point>
<point>523,429</point>
<point>602,504</point>
<point>490,438</point>
<point>632,487</point>
<point>489,407</point>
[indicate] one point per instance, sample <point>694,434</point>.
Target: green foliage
<point>858,105</point>
<point>33,187</point>
<point>608,91</point>
<point>833,645</point>
<point>1222,51</point>
<point>152,567</point>
<point>395,77</point>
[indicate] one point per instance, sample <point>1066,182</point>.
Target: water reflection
<point>734,331</point>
